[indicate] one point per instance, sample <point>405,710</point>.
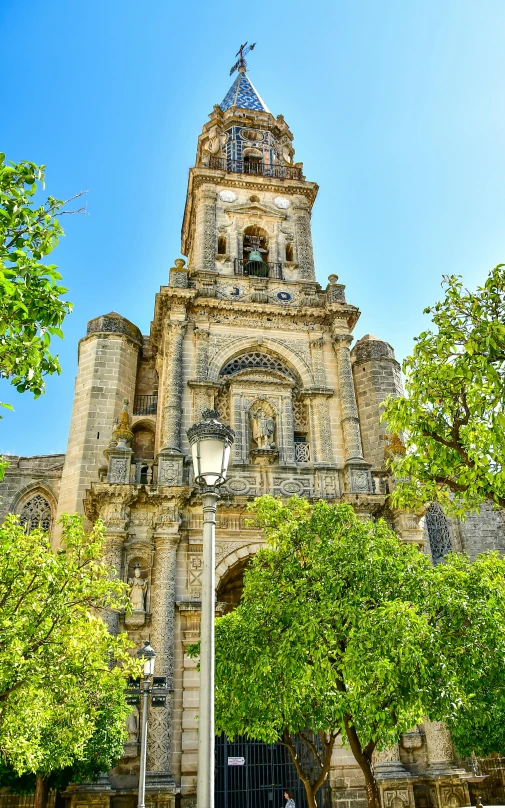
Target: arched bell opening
<point>253,161</point>
<point>255,251</point>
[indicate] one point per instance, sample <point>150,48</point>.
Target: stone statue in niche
<point>132,725</point>
<point>138,589</point>
<point>263,429</point>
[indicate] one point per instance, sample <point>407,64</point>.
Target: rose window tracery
<point>255,359</point>
<point>439,532</point>
<point>36,512</point>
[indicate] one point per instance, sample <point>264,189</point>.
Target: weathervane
<point>241,53</point>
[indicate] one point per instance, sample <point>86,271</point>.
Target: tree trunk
<point>364,760</point>
<point>41,791</point>
<point>311,796</point>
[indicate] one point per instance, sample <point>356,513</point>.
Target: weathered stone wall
<point>26,476</point>
<point>106,375</point>
<point>483,531</point>
<point>376,375</point>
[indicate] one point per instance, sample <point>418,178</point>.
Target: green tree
<point>452,418</point>
<point>342,629</point>
<point>62,675</point>
<point>32,308</point>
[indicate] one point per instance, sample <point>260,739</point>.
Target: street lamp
<point>148,655</point>
<point>210,442</point>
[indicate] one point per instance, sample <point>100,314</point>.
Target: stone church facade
<point>243,327</point>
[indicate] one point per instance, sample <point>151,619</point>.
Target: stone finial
<point>122,431</point>
<point>394,446</point>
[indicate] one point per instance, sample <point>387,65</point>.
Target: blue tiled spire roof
<point>242,93</point>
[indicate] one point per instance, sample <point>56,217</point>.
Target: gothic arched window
<point>439,532</point>
<point>36,512</point>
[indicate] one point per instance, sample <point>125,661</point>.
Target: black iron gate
<point>260,781</point>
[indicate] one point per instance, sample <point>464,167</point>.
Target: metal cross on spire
<point>241,53</point>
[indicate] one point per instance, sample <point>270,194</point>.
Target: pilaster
<point>206,229</point>
<point>166,540</point>
<point>393,779</point>
<point>357,471</point>
<point>170,459</point>
<point>305,253</point>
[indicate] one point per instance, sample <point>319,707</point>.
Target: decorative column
<point>303,236</point>
<point>166,540</point>
<point>439,746</point>
<point>288,443</point>
<point>447,787</point>
<point>317,355</point>
<point>206,230</point>
<point>358,479</point>
<point>170,459</point>
<point>393,779</point>
<point>115,516</point>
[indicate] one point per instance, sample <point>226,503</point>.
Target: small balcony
<point>145,405</point>
<point>256,167</point>
<point>258,269</point>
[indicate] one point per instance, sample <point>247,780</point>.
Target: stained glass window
<point>439,532</point>
<point>36,513</point>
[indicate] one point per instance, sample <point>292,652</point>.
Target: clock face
<point>284,297</point>
<point>281,202</point>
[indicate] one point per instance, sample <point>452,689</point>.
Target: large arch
<point>294,362</point>
<point>236,556</point>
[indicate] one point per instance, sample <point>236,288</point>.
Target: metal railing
<point>257,168</point>
<point>258,269</point>
<point>145,405</point>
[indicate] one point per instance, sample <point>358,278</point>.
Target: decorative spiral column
<point>303,235</point>
<point>206,229</point>
<point>166,540</point>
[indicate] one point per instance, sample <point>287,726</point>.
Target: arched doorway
<point>252,774</point>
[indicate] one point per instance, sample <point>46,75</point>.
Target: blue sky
<point>398,113</point>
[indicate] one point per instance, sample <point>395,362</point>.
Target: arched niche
<point>143,440</point>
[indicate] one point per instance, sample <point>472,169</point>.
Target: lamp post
<point>211,443</point>
<point>148,655</point>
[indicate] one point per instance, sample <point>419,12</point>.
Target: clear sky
<point>398,113</point>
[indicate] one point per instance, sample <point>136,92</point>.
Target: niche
<point>221,245</point>
<point>143,442</point>
<point>289,252</point>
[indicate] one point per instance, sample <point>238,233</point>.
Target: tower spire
<point>241,64</point>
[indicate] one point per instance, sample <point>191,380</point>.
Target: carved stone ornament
<point>282,203</point>
<point>227,196</point>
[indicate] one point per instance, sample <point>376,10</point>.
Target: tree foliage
<point>32,308</point>
<point>452,417</point>
<point>62,675</point>
<point>342,629</point>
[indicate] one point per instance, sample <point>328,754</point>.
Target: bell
<point>255,265</point>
